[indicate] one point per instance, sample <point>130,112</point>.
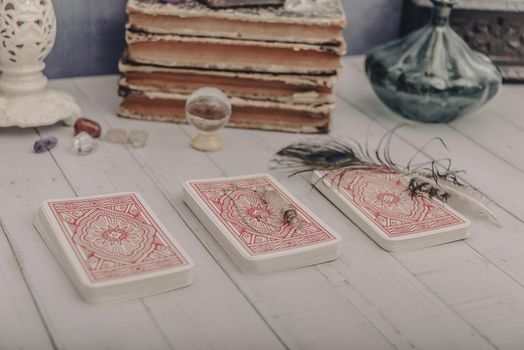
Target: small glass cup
<point>208,110</point>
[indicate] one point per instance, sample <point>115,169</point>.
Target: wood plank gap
<point>453,309</point>
<point>506,119</point>
<point>486,149</point>
<point>59,167</point>
<point>366,317</point>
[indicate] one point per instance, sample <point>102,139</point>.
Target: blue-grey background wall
<point>91,33</point>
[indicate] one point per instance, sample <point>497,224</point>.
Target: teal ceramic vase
<point>432,75</point>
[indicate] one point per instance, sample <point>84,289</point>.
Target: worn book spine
<point>236,55</point>
<point>259,87</point>
<point>245,115</point>
<point>235,29</point>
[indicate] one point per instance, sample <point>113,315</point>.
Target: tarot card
<point>235,211</point>
<point>382,202</point>
<point>112,238</point>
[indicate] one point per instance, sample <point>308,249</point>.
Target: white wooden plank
<point>72,323</point>
<point>495,135</point>
<point>299,305</point>
<point>507,105</point>
<point>210,313</point>
<point>498,128</point>
<point>475,289</point>
<point>467,155</point>
<point>19,311</point>
<point>349,277</point>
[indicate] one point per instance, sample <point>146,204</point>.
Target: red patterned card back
<point>115,237</point>
<point>384,199</point>
<point>240,207</point>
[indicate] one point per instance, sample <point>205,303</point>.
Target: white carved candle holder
<point>27,35</point>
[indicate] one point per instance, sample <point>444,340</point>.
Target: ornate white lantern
<point>27,35</point>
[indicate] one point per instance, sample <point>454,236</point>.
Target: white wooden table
<point>463,295</point>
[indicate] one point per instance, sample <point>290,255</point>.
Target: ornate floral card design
<point>115,237</point>
<point>384,198</point>
<point>240,207</point>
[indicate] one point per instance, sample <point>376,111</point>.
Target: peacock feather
<point>434,178</point>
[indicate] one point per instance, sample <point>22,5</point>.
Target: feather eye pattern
<point>433,178</point>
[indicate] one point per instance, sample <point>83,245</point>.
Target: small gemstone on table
<point>83,143</point>
<point>137,138</point>
<point>116,136</point>
<point>89,126</point>
<point>45,144</point>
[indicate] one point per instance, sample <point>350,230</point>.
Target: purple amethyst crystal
<point>45,144</point>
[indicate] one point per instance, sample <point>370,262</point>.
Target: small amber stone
<point>89,126</point>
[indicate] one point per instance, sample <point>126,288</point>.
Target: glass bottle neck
<point>441,13</point>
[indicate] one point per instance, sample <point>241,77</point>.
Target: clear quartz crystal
<point>276,202</point>
<point>83,144</point>
<point>208,110</point>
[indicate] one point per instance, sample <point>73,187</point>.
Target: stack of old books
<point>277,67</point>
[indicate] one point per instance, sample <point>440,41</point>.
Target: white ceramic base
<point>207,142</point>
<point>41,108</point>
